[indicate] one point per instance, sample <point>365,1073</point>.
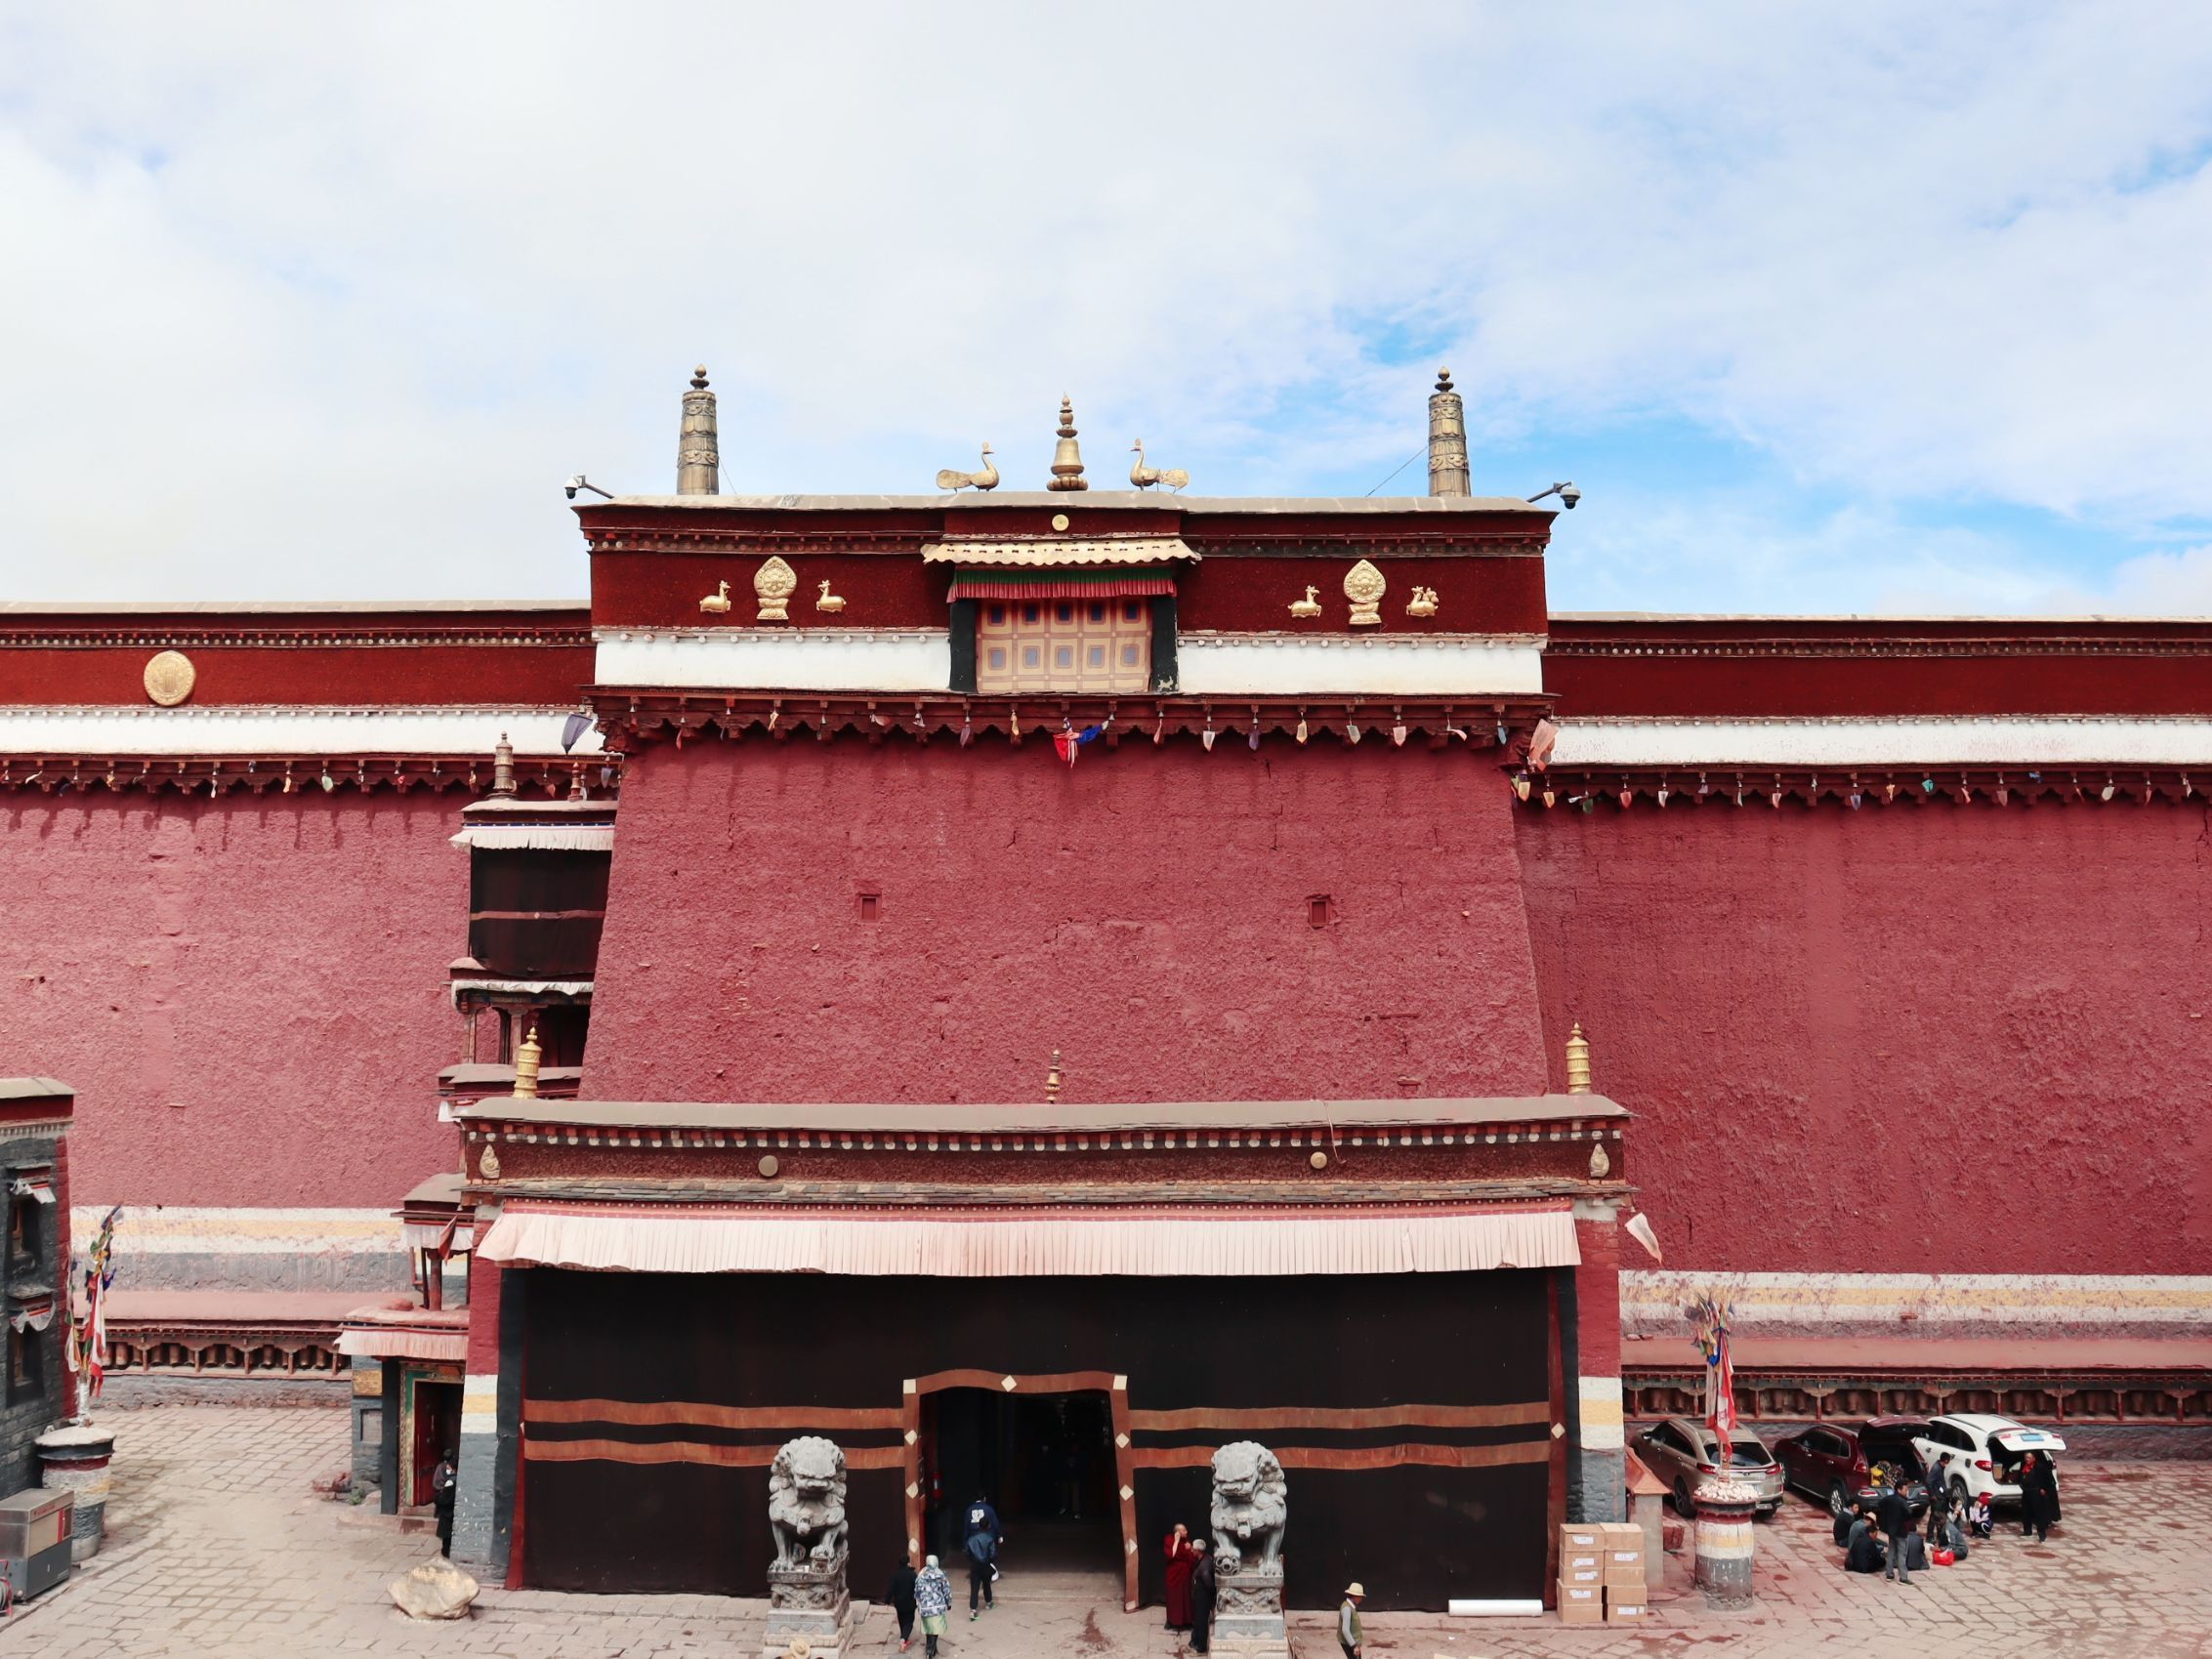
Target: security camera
<point>1569,496</point>
<point>579,481</point>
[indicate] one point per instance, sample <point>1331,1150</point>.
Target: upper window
<point>1064,646</point>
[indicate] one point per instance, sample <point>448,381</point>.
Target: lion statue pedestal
<point>1250,1509</point>
<point>807,1595</point>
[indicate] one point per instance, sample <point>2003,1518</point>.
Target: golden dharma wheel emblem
<point>1364,587</point>
<point>773,584</point>
<point>169,677</point>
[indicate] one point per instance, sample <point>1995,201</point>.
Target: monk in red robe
<point>1181,1559</point>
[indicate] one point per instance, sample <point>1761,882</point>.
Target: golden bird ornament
<point>1145,476</point>
<point>951,477</point>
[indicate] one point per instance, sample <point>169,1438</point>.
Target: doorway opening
<point>1046,1463</point>
<point>437,1427</point>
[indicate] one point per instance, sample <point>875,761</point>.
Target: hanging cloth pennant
<point>1068,744</point>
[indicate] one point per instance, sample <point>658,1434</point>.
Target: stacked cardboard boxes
<point>1621,1572</point>
<point>1582,1573</point>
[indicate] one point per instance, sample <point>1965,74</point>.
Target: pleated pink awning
<point>1062,1243</point>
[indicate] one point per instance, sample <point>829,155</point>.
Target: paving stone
<point>217,1547</point>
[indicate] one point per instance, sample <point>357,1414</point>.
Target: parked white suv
<point>1981,1453</point>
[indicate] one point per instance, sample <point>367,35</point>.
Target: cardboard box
<point>1589,1576</point>
<point>1623,1557</point>
<point>1581,1605</point>
<point>1579,1558</point>
<point>1626,1610</point>
<point>1578,1536</point>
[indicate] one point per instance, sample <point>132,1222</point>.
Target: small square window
<point>1098,611</point>
<point>26,1369</point>
<point>995,616</point>
<point>1097,656</point>
<point>1132,609</point>
<point>1129,656</point>
<point>998,657</point>
<point>1321,910</point>
<point>1063,657</point>
<point>1029,656</point>
<point>868,907</point>
<point>1031,612</point>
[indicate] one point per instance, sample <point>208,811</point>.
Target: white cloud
<point>305,302</point>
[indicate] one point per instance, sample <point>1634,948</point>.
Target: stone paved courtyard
<point>218,1546</point>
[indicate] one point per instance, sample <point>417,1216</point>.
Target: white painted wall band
<point>2022,740</point>
<point>811,659</point>
<point>126,729</point>
<point>1652,1300</point>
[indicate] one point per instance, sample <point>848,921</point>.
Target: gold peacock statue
<point>951,477</point>
<point>1144,478</point>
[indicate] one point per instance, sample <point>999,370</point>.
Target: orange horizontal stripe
<point>538,1450</point>
<point>1358,1457</point>
<point>1055,1383</point>
<point>1344,1417</point>
<point>692,1414</point>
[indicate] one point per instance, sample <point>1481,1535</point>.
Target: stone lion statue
<point>1250,1507</point>
<point>806,1502</point>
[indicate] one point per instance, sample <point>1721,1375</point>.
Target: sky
<point>1865,307</point>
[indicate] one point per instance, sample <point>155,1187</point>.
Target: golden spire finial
<point>527,1058</point>
<point>698,447</point>
<point>1066,458</point>
<point>1578,1061</point>
<point>1447,440</point>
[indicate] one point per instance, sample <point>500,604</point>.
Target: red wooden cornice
<point>629,718</point>
<point>287,774</point>
<point>1616,789</point>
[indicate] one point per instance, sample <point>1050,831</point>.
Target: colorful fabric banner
<point>86,1351</point>
<point>1068,744</point>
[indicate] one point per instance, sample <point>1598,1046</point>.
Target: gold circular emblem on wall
<point>169,677</point>
<point>1060,520</point>
<point>769,1167</point>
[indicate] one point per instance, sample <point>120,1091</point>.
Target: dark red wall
<point>1146,913</point>
<point>1933,1039</point>
<point>247,995</point>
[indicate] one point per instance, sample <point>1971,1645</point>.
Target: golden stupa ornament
<point>1578,1061</point>
<point>1066,458</point>
<point>773,584</point>
<point>526,1060</point>
<point>1364,587</point>
<point>169,677</point>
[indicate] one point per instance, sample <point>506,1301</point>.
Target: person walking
<point>982,1546</point>
<point>1180,1559</point>
<point>2038,1497</point>
<point>933,1600</point>
<point>1893,1515</point>
<point>1202,1598</point>
<point>1347,1634</point>
<point>901,1596</point>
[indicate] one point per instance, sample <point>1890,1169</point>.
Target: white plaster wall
<point>1424,666</point>
<point>812,659</point>
<point>1997,740</point>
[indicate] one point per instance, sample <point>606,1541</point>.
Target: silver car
<point>1684,1453</point>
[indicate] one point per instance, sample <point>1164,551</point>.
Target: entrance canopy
<point>1081,1241</point>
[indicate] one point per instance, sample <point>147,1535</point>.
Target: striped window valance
<point>1059,584</point>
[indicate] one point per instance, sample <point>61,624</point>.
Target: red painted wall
<point>1146,913</point>
<point>1932,1039</point>
<point>247,995</point>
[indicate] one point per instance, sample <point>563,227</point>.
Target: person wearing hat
<point>932,1599</point>
<point>1202,1588</point>
<point>1347,1619</point>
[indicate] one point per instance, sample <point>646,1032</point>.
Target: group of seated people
<point>1869,1538</point>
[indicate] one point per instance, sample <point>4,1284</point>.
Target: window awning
<point>39,1187</point>
<point>32,1315</point>
<point>1059,584</point>
<point>1062,1243</point>
<point>1048,552</point>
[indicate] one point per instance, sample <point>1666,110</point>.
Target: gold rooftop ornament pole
<point>503,766</point>
<point>698,447</point>
<point>527,1058</point>
<point>1066,458</point>
<point>1447,439</point>
<point>1578,1061</point>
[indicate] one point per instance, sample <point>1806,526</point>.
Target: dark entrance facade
<point>651,1404</point>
